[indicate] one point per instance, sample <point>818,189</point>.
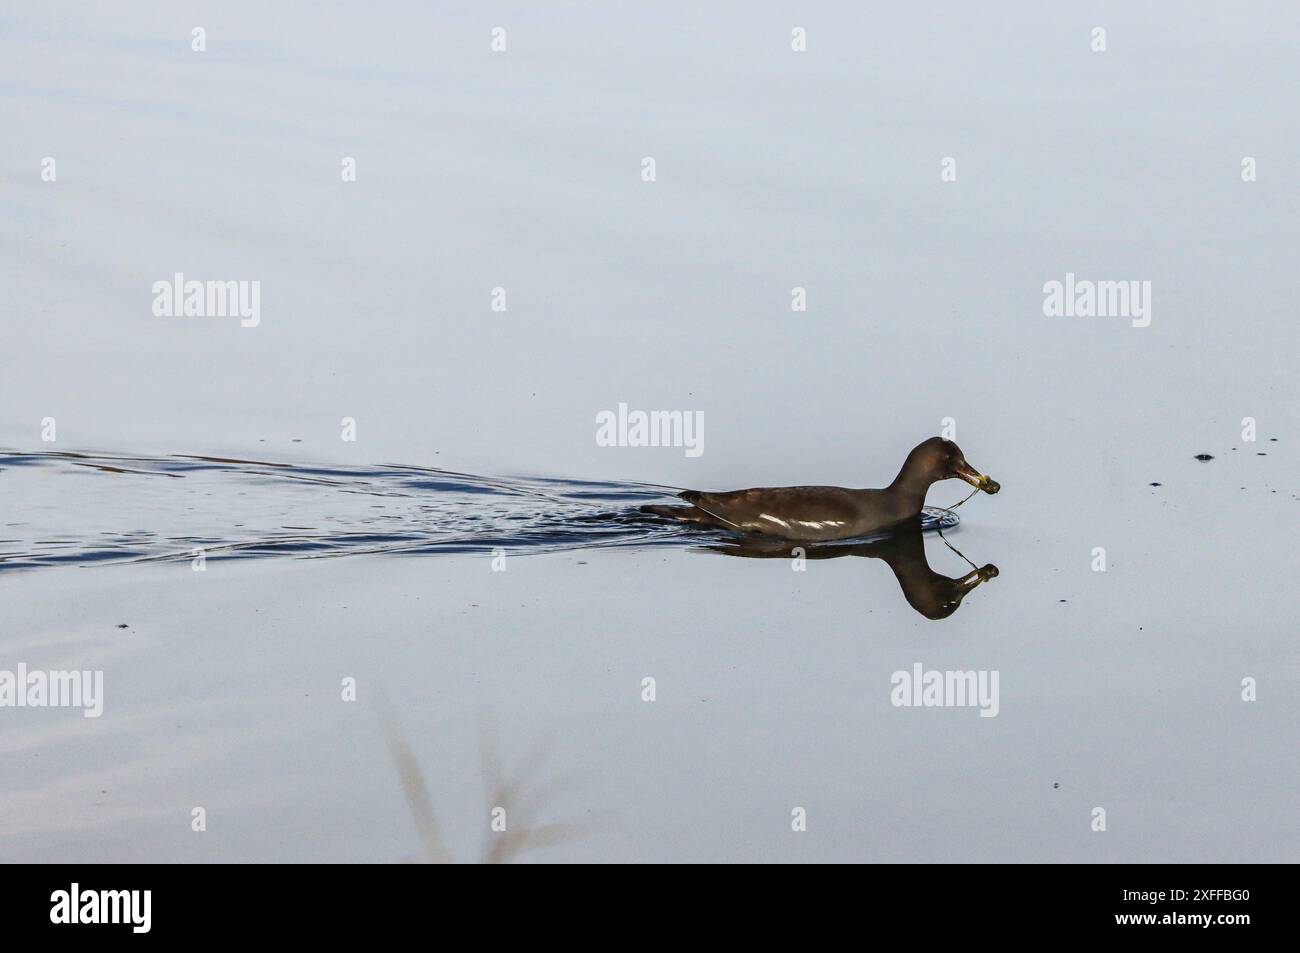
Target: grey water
<point>1121,676</point>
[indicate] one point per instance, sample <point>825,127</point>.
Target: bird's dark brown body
<point>825,513</point>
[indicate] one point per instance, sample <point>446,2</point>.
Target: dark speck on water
<point>1153,484</point>
<point>1204,456</point>
<point>122,625</point>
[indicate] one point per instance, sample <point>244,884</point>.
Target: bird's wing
<point>779,509</point>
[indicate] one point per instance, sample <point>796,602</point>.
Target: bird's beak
<point>977,479</point>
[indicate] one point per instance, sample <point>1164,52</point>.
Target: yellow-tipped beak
<point>977,479</point>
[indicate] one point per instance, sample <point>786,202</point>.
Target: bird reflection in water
<point>932,594</point>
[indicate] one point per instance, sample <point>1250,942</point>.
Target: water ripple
<point>61,508</point>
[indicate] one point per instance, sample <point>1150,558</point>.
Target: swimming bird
<point>823,513</point>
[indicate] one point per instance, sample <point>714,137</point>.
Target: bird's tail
<point>682,514</point>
